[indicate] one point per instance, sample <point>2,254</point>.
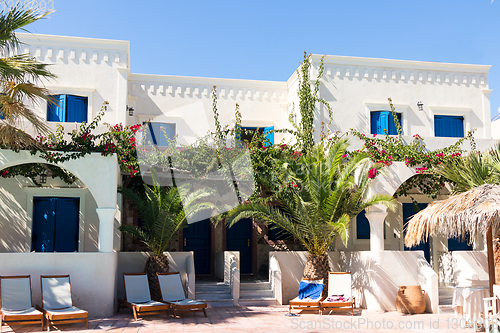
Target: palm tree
<point>318,196</point>
<point>19,76</point>
<point>163,214</point>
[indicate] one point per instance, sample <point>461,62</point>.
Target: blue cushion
<point>310,288</point>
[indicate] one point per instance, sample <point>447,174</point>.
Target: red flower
<point>372,173</point>
<point>344,156</point>
<point>5,173</point>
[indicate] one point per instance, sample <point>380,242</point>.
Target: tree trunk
<point>155,264</point>
<point>318,267</point>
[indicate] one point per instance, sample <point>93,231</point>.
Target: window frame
<point>75,91</point>
<point>157,145</point>
<point>450,111</point>
<point>389,114</point>
<point>403,109</point>
<point>50,193</point>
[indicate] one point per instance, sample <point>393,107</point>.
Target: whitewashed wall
<point>187,102</point>
<point>377,276</point>
<point>355,86</point>
<point>92,276</point>
<point>96,68</point>
<point>134,262</point>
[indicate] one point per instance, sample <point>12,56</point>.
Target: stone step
<point>212,296</point>
<point>258,302</point>
<point>256,294</point>
<point>220,304</point>
<point>255,285</point>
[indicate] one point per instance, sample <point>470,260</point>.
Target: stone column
<point>106,226</point>
<point>376,216</point>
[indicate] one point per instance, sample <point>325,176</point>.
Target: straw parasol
<point>474,212</point>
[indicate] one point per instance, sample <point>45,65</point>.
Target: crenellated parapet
<point>76,50</point>
<point>201,88</point>
<point>403,71</point>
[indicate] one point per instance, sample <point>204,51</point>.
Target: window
<point>449,126</point>
<point>55,224</point>
<point>247,134</point>
<point>383,120</point>
<point>159,134</point>
<point>362,226</point>
<point>68,108</point>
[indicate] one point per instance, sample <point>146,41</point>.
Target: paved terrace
<point>267,319</point>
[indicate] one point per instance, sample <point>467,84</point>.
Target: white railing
<point>428,280</point>
<point>233,264</point>
<point>190,278</point>
<point>275,279</point>
<point>227,267</point>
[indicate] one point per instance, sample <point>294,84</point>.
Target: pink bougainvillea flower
<point>344,156</point>
<point>372,173</point>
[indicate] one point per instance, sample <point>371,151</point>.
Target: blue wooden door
<point>55,224</point>
<point>239,238</point>
<point>458,244</point>
<point>197,238</point>
<point>408,212</point>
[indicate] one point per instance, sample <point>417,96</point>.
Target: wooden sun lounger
<point>172,292</point>
<point>138,297</point>
<point>16,307</point>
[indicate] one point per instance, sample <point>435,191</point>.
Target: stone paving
<point>267,319</point>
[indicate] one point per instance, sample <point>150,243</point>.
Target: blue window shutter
<point>362,226</point>
<point>375,123</point>
<point>43,224</point>
<point>449,126</point>
<point>383,120</point>
<point>57,110</point>
<point>269,135</point>
<point>76,109</point>
<point>66,224</point>
<point>167,134</point>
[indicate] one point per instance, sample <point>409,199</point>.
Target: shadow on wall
<point>470,267</point>
<point>13,219</point>
<point>377,277</point>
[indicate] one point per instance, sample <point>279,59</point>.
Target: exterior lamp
<point>43,178</point>
<point>420,106</point>
<point>130,111</point>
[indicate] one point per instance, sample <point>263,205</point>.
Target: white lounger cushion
<point>56,293</point>
<point>137,288</point>
<point>171,287</point>
<point>307,299</point>
<point>26,312</point>
<point>16,293</point>
<point>70,310</point>
<point>187,302</point>
<point>150,303</point>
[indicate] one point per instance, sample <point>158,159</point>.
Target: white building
<point>454,98</point>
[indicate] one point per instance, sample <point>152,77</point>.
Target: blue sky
<point>265,40</point>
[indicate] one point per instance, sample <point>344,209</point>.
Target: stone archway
<point>97,172</point>
<point>387,182</point>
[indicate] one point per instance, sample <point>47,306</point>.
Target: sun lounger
<point>172,292</point>
<point>138,297</point>
<point>57,302</point>
<point>309,295</point>
<point>339,293</point>
<point>15,302</point>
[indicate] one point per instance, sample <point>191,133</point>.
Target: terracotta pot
<point>410,299</point>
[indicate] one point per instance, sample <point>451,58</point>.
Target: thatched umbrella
<point>473,212</point>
